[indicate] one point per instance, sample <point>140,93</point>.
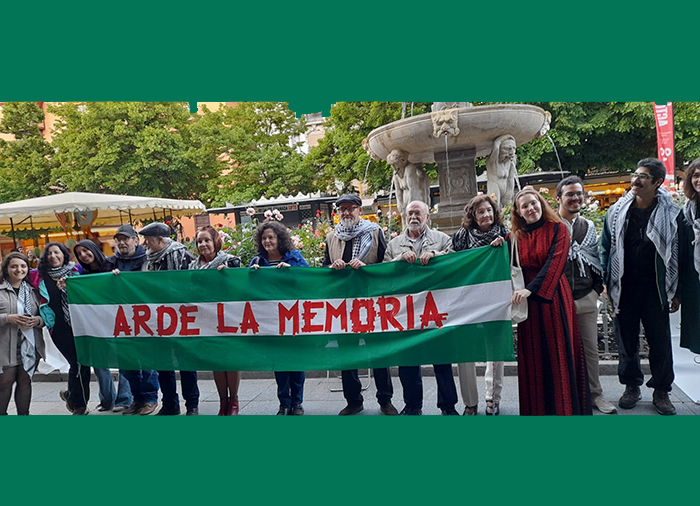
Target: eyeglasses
<point>347,209</point>
<point>572,195</point>
<point>641,175</point>
<point>122,238</point>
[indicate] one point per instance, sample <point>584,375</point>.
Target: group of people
<point>648,260</point>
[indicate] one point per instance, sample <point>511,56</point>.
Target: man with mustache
<point>420,243</point>
<point>355,243</point>
<point>639,256</point>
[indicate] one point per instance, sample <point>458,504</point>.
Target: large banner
<point>455,309</point>
<point>664,138</point>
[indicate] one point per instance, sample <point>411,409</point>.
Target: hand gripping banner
<point>455,309</point>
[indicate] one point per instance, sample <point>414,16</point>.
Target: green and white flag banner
<point>455,309</point>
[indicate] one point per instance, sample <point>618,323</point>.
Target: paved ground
<point>258,397</point>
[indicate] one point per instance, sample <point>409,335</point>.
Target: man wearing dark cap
<point>164,254</point>
<point>356,242</point>
<point>130,256</point>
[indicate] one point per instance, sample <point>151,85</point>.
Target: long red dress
<point>551,364</point>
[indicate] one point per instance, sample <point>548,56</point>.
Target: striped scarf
<point>27,348</point>
<point>691,215</point>
<point>64,271</point>
<point>361,236</point>
<point>662,231</point>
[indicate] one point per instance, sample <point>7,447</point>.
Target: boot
<point>223,407</point>
<point>232,406</point>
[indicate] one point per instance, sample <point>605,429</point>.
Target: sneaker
<point>451,411</point>
<point>63,394</point>
<point>119,409</point>
<point>663,404</point>
<point>351,409</point>
<point>602,405</point>
<point>630,397</point>
<point>388,409</point>
<point>134,409</point>
<point>471,410</point>
<point>81,411</point>
<point>148,409</point>
<point>284,410</point>
<point>100,407</point>
<point>296,410</point>
<point>411,411</point>
<point>191,411</point>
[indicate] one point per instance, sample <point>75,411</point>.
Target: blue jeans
<point>290,388</point>
<point>109,396</point>
<point>168,385</point>
<point>144,386</point>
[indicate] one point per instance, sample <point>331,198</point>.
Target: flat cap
<point>349,198</point>
<point>156,230</point>
<point>126,230</point>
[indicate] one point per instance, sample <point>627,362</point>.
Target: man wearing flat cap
<point>130,256</point>
<point>356,242</point>
<point>164,254</point>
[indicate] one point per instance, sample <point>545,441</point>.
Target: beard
<point>415,226</point>
<point>347,222</point>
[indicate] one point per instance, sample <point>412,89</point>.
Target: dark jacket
<point>127,264</point>
<point>293,258</point>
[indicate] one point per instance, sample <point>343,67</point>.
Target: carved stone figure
<point>368,150</point>
<point>501,173</point>
<point>545,126</point>
<point>445,123</point>
<point>441,106</point>
<point>410,181</point>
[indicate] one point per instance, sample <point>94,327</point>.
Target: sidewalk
<point>258,396</point>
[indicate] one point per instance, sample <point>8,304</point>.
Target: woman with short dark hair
<point>21,339</point>
<point>274,245</point>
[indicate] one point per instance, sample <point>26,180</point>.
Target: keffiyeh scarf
<point>173,255</point>
<point>220,259</point>
<point>27,348</point>
<point>360,235</point>
<point>690,210</point>
<point>662,230</point>
<point>587,251</point>
<point>64,271</point>
<point>475,238</point>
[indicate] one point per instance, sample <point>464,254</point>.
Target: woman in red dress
<point>551,365</point>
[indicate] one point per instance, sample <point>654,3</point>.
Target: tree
<point>24,162</point>
<point>155,149</point>
<point>340,156</point>
<point>265,158</point>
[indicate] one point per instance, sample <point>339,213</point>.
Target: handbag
<point>518,312</point>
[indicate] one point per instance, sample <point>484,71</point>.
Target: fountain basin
<point>478,127</point>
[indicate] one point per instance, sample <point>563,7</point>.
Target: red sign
<point>664,138</point>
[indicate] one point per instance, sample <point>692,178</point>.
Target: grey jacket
<point>8,332</point>
<point>434,241</point>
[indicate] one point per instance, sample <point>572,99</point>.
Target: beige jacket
<point>434,241</point>
<point>8,332</point>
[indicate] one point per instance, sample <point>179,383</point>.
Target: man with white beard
<point>355,243</point>
<point>420,243</point>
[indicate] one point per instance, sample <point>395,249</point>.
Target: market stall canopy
<point>47,212</point>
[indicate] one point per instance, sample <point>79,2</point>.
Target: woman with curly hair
<point>551,365</point>
<point>274,245</point>
<point>482,225</point>
<point>50,279</point>
<point>210,256</point>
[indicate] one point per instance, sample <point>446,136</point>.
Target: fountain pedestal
<point>457,181</point>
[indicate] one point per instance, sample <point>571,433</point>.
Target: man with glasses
<point>130,256</point>
<point>639,254</point>
<point>585,275</point>
<point>355,243</point>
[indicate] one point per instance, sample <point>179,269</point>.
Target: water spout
<point>557,155</point>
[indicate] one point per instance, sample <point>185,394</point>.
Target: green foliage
<point>265,157</point>
<point>24,162</point>
<point>340,157</point>
<point>153,149</point>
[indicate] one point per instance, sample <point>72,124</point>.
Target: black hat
<point>156,230</point>
<point>349,198</point>
<point>126,230</point>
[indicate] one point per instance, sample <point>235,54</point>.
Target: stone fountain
<point>453,135</point>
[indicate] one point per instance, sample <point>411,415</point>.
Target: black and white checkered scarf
<point>662,230</point>
<point>361,236</point>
